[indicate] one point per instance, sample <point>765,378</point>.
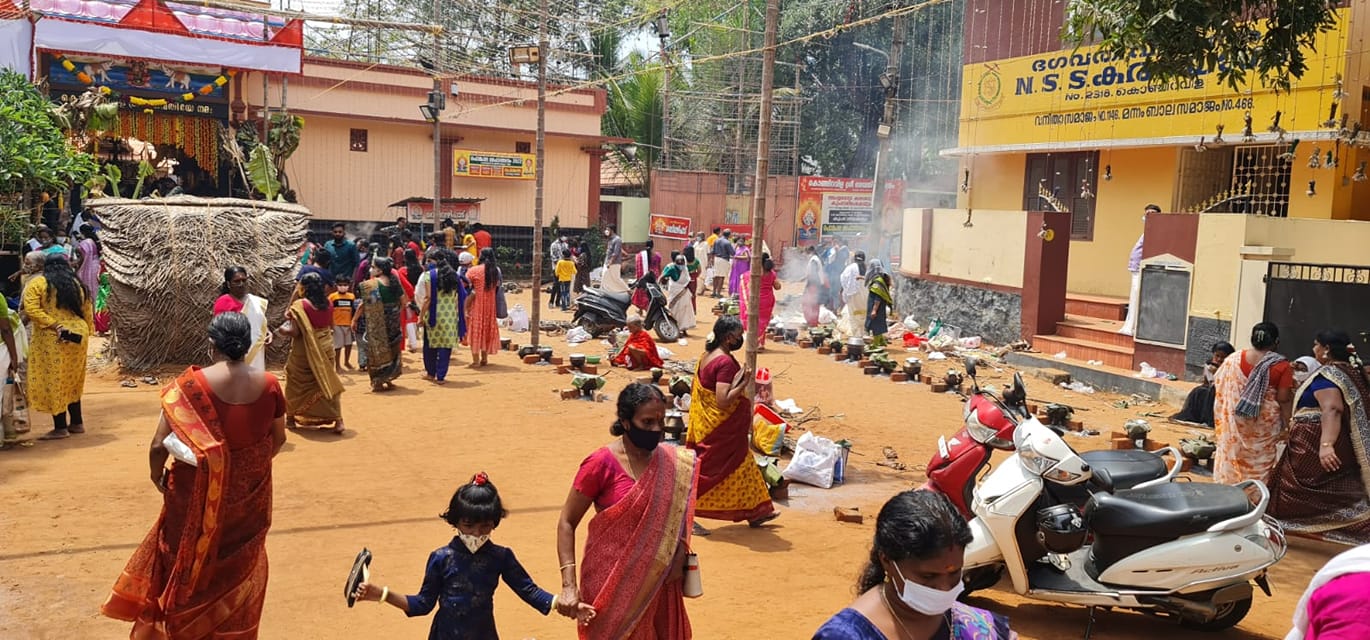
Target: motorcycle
<point>1183,549</point>
<point>988,424</point>
<point>598,311</point>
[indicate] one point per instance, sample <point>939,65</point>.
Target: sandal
<point>76,428</point>
<point>699,531</point>
<point>760,522</point>
<point>128,384</point>
<point>55,434</point>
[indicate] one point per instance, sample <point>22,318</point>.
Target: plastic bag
<point>1147,371</point>
<point>814,462</point>
<point>826,316</point>
<point>972,342</point>
<point>518,319</point>
<point>910,324</point>
<point>768,431</point>
<point>179,450</point>
<point>664,353</point>
<point>577,335</point>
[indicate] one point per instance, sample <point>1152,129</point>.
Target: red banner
<point>670,227</point>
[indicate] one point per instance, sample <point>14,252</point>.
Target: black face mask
<point>644,439</point>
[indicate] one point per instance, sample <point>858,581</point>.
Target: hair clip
<point>480,479</point>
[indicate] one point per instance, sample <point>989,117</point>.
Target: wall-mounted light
<point>432,109</point>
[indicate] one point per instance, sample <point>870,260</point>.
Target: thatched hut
<point>166,259</point>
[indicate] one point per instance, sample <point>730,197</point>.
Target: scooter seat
<point>1131,520</point>
<point>1127,467</point>
<point>622,298</point>
<point>1172,510</point>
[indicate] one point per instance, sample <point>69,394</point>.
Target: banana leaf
<point>262,171</point>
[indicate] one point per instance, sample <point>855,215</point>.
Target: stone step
<point>1085,350</point>
<point>1093,330</point>
<point>1102,307</point>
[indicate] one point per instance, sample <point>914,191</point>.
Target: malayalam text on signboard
<point>490,164</point>
<point>670,227</point>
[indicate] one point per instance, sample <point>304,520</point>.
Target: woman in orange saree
<point>1253,390</point>
<point>201,572</point>
<point>634,562</point>
<point>730,484</point>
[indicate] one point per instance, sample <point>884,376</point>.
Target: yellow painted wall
<point>1341,242</point>
<point>339,184</point>
<point>1217,263</point>
<point>996,182</point>
<point>990,251</point>
<point>1140,177</point>
<point>911,250</point>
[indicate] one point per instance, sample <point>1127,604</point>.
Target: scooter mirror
<point>970,366</point>
<point>1102,480</point>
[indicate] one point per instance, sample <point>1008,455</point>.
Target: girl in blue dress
<point>461,576</point>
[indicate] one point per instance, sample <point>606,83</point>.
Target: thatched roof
<point>166,259</point>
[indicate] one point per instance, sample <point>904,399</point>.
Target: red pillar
<point>1045,265</point>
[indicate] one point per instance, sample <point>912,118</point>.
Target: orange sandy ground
<point>74,510</point>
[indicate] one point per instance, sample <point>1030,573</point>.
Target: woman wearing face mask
<point>909,587</point>
<point>1304,368</point>
<point>730,484</point>
<point>633,567</point>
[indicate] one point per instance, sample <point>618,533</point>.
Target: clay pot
<point>577,360</point>
<point>526,351</point>
<point>504,343</point>
<point>545,353</point>
<point>855,351</point>
<point>791,335</point>
<point>656,375</point>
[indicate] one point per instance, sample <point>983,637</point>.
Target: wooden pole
<point>535,314</point>
<point>763,170</point>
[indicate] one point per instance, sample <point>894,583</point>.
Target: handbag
<point>501,307</point>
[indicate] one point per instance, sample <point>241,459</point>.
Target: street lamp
<point>432,109</point>
<point>432,112</point>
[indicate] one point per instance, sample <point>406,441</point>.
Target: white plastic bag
<point>664,353</point>
<point>826,316</point>
<point>518,319</point>
<point>179,450</point>
<point>1147,371</point>
<point>814,462</point>
<point>911,324</point>
<point>577,335</point>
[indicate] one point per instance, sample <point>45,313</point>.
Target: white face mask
<point>473,543</point>
<point>1301,377</point>
<point>927,600</point>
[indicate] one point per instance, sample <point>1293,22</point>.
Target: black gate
<point>1303,299</point>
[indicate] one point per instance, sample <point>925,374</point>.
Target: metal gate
<point>1303,299</point>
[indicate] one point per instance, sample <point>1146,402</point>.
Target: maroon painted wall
<point>1174,233</point>
<point>997,29</point>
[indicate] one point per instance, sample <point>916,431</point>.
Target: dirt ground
<point>74,510</point>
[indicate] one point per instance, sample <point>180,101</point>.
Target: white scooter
<point>1186,550</point>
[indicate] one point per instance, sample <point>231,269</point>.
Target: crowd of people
<point>1301,427</point>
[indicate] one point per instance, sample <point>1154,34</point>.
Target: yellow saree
<point>730,484</point>
<point>313,389</point>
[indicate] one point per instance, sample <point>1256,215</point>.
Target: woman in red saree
<point>730,484</point>
<point>647,265</point>
<point>201,572</point>
<point>639,350</point>
<point>634,562</point>
<point>1321,486</point>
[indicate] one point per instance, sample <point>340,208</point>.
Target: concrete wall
<point>993,315</point>
<point>989,251</point>
<point>633,214</point>
<point>703,197</point>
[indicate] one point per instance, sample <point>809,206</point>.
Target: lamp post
<point>432,112</point>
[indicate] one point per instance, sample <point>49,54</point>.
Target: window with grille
<point>1260,181</point>
<point>1064,182</point>
<point>357,140</point>
<point>523,147</point>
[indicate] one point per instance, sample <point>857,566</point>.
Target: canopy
<point>169,31</point>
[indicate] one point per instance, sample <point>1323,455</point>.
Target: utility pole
<point>763,170</point>
<point>439,101</point>
<point>663,31</point>
<point>894,64</point>
<point>535,316</point>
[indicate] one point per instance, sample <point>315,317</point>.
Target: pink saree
<point>629,549</point>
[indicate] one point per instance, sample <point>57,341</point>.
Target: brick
<point>848,514</point>
<point>1152,445</point>
<point>1075,425</point>
<point>1123,443</point>
<point>590,369</point>
<point>939,387</point>
<point>564,369</point>
<point>532,359</point>
<point>865,362</point>
<point>558,360</point>
<point>899,376</point>
<point>872,370</point>
<point>570,394</point>
<point>839,357</point>
<point>823,351</point>
<point>1055,376</point>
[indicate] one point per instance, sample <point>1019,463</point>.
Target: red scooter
<point>988,424</point>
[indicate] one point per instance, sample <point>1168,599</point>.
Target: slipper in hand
<point>360,572</point>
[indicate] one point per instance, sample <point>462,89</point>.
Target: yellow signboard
<point>490,164</point>
<point>1087,95</point>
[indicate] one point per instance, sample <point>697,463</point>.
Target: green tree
<point>34,152</point>
<point>1238,39</point>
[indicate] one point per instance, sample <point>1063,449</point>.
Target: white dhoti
<point>678,297</point>
<point>1130,324</point>
<point>856,313</point>
<point>612,281</point>
<point>255,310</point>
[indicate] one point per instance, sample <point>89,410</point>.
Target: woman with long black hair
<point>482,323</point>
<point>59,308</point>
<point>410,273</point>
<point>380,300</point>
<point>313,389</point>
<point>440,295</point>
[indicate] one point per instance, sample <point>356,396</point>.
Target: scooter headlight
<point>1033,460</point>
<point>983,434</point>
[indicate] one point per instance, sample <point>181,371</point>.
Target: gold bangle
<point>1327,444</point>
<point>569,564</point>
<point>385,593</point>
